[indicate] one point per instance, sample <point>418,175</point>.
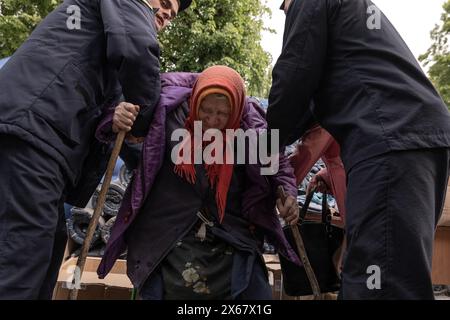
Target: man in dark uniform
<point>344,66</point>
<point>79,60</point>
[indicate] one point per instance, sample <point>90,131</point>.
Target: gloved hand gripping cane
<point>97,213</point>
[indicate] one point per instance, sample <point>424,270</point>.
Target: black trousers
<point>394,202</point>
<point>32,224</point>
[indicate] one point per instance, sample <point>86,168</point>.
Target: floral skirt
<point>198,268</point>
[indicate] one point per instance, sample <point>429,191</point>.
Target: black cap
<point>282,6</point>
<point>184,4</point>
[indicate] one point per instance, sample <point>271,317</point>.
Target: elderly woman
<point>195,231</point>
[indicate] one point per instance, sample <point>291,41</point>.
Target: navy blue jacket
<point>367,88</point>
<point>54,88</point>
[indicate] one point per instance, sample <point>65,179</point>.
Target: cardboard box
<point>275,280</point>
<point>271,259</point>
<point>276,277</point>
<point>445,218</point>
<point>116,286</point>
<point>441,256</point>
<point>440,272</point>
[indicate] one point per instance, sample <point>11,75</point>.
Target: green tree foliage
<point>438,55</point>
<point>18,18</point>
<point>226,32</point>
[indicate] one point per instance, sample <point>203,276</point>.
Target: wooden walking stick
<point>302,252</point>
<point>97,213</point>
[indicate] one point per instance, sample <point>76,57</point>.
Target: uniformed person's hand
<point>124,116</point>
<point>289,211</point>
<point>321,182</point>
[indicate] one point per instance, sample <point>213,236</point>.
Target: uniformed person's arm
<point>133,50</point>
<point>298,71</point>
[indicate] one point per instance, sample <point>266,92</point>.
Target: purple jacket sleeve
<point>285,177</point>
<point>255,118</point>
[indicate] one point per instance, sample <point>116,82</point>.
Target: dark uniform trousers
<point>32,225</point>
<point>394,202</point>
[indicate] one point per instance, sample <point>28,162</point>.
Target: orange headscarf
<point>226,81</point>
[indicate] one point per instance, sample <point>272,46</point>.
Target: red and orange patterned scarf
<point>220,80</point>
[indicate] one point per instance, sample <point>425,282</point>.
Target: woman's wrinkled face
<point>214,112</point>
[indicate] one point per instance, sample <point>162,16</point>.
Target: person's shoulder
<point>257,105</point>
<point>178,79</point>
<point>254,115</point>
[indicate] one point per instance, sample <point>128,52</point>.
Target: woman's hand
<point>321,182</point>
<point>123,119</point>
<point>289,211</point>
<point>124,116</point>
